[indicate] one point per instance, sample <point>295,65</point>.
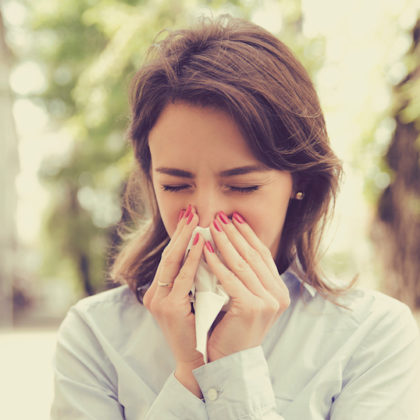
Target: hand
<point>250,277</point>
<point>171,306</point>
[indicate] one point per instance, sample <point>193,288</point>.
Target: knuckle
<point>147,299</point>
<point>240,266</point>
<point>264,308</point>
<point>183,275</point>
<point>153,308</point>
<point>284,303</point>
<point>270,310</point>
<point>283,300</point>
<point>251,254</point>
<point>272,306</point>
<point>169,259</point>
<point>231,277</point>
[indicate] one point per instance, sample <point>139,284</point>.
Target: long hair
<point>242,69</point>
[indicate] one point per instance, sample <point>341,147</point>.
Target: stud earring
<point>299,195</point>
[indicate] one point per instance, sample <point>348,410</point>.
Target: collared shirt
<point>318,361</point>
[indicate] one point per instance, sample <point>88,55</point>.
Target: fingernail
<point>196,238</point>
<point>209,247</point>
<point>190,217</point>
<point>223,217</point>
<point>216,224</point>
<point>238,217</point>
<point>188,211</point>
<point>181,213</point>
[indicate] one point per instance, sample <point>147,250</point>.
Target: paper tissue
<point>208,295</point>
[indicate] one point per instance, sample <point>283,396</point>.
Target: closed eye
<point>243,190</point>
<point>231,188</point>
<point>174,188</point>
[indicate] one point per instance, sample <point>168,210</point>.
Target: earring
<point>299,195</point>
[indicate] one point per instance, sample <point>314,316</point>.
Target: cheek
<point>169,209</point>
<point>268,229</point>
<point>260,223</point>
<point>267,219</point>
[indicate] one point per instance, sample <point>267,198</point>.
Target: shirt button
<point>212,394</point>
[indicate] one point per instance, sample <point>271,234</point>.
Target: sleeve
<point>176,402</point>
<point>86,384</point>
<point>238,386</point>
<point>382,380</point>
<point>84,380</point>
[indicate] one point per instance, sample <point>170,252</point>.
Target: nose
<point>208,203</point>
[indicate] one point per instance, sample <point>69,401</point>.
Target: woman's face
<point>200,157</point>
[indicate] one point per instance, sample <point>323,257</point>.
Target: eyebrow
<point>240,170</point>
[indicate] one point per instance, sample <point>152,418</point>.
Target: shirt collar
<point>296,270</point>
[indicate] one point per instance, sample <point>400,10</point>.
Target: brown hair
<point>245,71</point>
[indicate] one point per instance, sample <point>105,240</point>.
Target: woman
<point>228,134</point>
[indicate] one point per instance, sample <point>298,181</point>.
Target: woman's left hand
<point>250,277</point>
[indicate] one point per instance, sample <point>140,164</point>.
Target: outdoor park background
<point>65,67</point>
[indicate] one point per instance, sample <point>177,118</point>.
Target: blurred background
<point>65,68</point>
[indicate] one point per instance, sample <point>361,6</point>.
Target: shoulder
<point>113,299</point>
<point>109,316</point>
<point>363,314</point>
<point>109,297</point>
<point>365,328</point>
<point>114,304</point>
<point>372,321</point>
<point>386,322</point>
<point>380,310</point>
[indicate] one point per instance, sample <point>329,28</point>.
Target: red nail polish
<point>196,238</point>
<point>223,217</point>
<point>216,224</point>
<point>209,247</point>
<point>238,218</point>
<point>188,211</point>
<point>181,213</point>
<point>190,217</point>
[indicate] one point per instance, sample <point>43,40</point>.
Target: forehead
<point>185,132</point>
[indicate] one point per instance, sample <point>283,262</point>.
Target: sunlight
<point>27,78</point>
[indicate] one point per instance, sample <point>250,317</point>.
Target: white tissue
<point>208,296</point>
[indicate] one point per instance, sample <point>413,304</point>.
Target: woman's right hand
<point>170,305</point>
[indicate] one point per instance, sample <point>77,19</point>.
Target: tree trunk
<point>397,231</point>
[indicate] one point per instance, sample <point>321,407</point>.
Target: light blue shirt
<point>318,361</point>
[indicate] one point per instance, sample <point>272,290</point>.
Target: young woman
<point>228,133</point>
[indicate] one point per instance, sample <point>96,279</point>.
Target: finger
<point>247,232</point>
<point>252,257</point>
<point>179,244</point>
<point>184,216</point>
<point>232,285</point>
<point>233,259</point>
<point>276,284</point>
<point>185,278</point>
<point>173,255</point>
<point>182,219</point>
